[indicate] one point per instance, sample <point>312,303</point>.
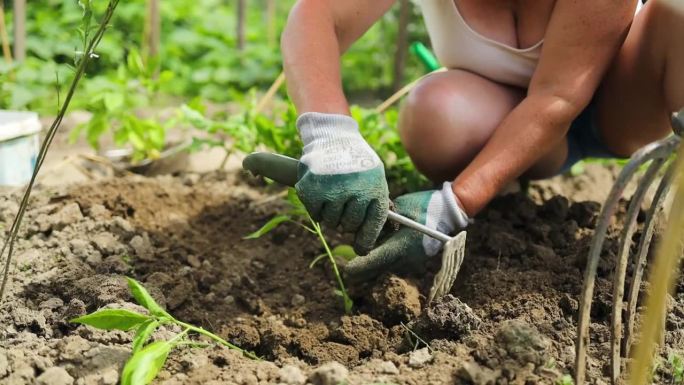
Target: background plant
<point>297,214</point>
<point>147,357</point>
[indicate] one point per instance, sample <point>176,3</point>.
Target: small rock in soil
<point>142,247</point>
<point>55,376</point>
<point>419,358</point>
<point>395,300</point>
<point>193,260</point>
<point>477,374</point>
<point>522,342</point>
<point>291,375</point>
<point>388,367</point>
<point>106,243</point>
<point>331,373</point>
<point>447,317</point>
<point>298,300</point>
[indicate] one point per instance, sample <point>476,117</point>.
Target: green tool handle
<point>283,170</point>
<point>425,56</point>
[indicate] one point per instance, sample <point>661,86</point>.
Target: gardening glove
<point>408,248</point>
<point>341,180</point>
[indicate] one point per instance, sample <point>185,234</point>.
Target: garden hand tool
<point>284,170</point>
<point>657,154</point>
<point>341,179</point>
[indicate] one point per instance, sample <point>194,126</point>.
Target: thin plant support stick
<point>402,44</point>
<point>19,15</point>
<point>88,55</point>
<point>270,93</point>
<point>6,52</point>
<point>403,91</point>
<point>240,25</point>
<point>662,279</point>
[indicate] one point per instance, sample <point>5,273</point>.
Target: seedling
<point>565,380</point>
<point>676,365</point>
<point>147,357</point>
<point>298,215</point>
<point>411,335</point>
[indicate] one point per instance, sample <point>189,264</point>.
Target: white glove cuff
<point>443,214</point>
<point>333,145</point>
<point>459,217</point>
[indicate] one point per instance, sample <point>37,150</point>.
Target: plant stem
<point>348,303</point>
<point>217,339</point>
<point>80,71</point>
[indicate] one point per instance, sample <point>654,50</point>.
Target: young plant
<point>298,215</point>
<point>147,357</point>
<point>676,366</point>
<point>565,380</point>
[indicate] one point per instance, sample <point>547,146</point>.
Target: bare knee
<point>446,120</point>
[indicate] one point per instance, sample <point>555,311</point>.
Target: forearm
<point>533,128</point>
<point>311,56</point>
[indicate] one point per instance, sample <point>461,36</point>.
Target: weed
<point>147,358</point>
<point>297,214</point>
<point>565,380</point>
<point>675,364</point>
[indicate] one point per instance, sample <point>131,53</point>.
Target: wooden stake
<point>402,45</point>
<point>6,53</point>
<point>19,13</point>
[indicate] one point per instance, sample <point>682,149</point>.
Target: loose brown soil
<point>510,319</point>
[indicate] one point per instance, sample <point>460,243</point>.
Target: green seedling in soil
<point>565,380</point>
<point>147,357</point>
<point>298,215</point>
<point>675,364</point>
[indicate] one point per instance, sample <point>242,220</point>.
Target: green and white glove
<point>407,248</point>
<point>341,179</point>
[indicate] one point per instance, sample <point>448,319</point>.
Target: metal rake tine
<point>451,264</point>
<point>639,260</point>
<point>654,150</point>
<point>621,265</point>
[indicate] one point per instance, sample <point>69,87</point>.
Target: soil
<point>510,318</point>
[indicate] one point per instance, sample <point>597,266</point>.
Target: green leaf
<point>113,101</point>
<point>270,225</point>
<point>144,299</point>
<point>344,251</point>
<point>143,334</point>
<point>112,319</point>
<point>144,365</point>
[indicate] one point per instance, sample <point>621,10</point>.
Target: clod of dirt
<point>419,358</point>
<point>142,247</point>
<point>585,213</point>
<point>504,244</point>
<point>55,376</point>
<point>362,332</point>
<point>291,375</point>
<point>395,300</point>
<point>68,215</point>
<point>569,305</point>
<point>388,367</point>
<point>447,317</point>
<point>477,374</point>
<point>522,342</point>
<point>556,208</point>
<point>106,243</point>
<point>331,373</point>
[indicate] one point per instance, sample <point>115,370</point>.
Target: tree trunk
<point>19,29</point>
<point>241,13</point>
<point>402,45</point>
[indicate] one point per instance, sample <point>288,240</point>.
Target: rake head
<point>656,154</point>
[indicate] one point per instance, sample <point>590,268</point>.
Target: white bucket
<point>19,146</point>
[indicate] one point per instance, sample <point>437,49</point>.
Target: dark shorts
<point>584,140</point>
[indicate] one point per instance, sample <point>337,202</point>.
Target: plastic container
<point>19,146</point>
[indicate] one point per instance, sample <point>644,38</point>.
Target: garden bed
<point>511,319</point>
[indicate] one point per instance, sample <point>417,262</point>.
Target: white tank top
<point>458,46</point>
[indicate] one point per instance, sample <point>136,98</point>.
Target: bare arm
<point>316,35</point>
<point>581,40</point>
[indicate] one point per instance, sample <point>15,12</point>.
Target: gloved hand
<point>341,179</point>
<point>408,248</point>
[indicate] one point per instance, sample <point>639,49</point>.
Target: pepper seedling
<point>147,357</point>
<point>298,215</point>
